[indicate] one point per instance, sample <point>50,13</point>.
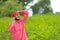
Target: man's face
<point>17,17</point>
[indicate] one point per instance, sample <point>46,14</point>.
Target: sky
<point>55,4</point>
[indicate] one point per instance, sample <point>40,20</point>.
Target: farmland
<point>44,27</point>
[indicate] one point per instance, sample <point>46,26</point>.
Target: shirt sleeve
<point>25,13</point>
<point>10,27</point>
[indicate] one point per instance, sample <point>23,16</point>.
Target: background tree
<point>23,1</point>
<point>45,4</point>
<point>8,7</point>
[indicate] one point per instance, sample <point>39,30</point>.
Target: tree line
<point>9,6</point>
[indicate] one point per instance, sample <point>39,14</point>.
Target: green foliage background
<point>44,27</point>
<point>9,7</point>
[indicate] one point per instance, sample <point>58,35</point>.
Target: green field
<point>44,27</point>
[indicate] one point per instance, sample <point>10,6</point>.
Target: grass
<point>44,27</point>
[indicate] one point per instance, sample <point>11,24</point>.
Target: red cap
<point>14,14</point>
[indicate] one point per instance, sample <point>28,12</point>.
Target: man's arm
<point>25,13</point>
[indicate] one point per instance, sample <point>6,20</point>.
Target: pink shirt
<point>17,29</point>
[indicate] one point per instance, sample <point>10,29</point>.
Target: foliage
<point>43,4</point>
<point>8,7</point>
<point>44,27</point>
<point>28,1</point>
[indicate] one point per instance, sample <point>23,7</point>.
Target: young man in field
<point>17,27</point>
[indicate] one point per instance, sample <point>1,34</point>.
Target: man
<point>17,27</point>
